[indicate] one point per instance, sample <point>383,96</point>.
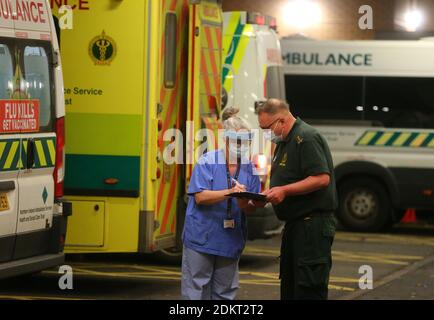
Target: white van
<point>32,215</point>
<point>252,62</point>
<point>251,74</point>
<point>374,102</point>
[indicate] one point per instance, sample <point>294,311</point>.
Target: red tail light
<point>272,23</point>
<point>255,18</point>
<point>261,164</point>
<point>260,20</point>
<point>260,161</point>
<point>59,171</point>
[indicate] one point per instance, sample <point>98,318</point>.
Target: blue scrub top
<point>203,229</point>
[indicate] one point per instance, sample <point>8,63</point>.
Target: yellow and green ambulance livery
<point>133,70</point>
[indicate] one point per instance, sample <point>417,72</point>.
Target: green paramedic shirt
<point>303,153</point>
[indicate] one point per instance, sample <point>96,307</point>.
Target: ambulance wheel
<point>364,205</point>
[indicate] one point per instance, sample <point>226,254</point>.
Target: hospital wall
<point>340,17</point>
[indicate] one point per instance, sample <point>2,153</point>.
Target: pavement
<point>402,264</point>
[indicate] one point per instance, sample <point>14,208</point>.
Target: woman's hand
<point>208,197</point>
<point>238,188</point>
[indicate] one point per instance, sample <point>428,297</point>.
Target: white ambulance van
<point>251,74</point>
<point>32,215</point>
<point>252,62</point>
<point>374,102</point>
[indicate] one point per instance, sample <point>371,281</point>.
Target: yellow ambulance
<point>33,216</point>
<point>133,70</point>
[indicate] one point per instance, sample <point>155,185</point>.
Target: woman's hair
<point>233,122</point>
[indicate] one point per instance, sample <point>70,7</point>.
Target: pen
<point>237,183</point>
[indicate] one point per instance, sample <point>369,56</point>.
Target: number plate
<point>4,203</point>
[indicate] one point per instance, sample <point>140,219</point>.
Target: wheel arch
<point>373,170</point>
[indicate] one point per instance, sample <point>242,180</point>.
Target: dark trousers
<point>306,259</point>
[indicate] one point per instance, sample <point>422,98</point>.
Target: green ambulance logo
<point>45,195</point>
<point>102,50</point>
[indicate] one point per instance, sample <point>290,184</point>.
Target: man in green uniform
<point>303,194</point>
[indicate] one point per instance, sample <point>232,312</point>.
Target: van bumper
<point>30,265</point>
<point>263,224</point>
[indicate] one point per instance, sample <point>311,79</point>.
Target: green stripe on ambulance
<point>236,40</point>
<point>397,139</point>
<point>13,153</point>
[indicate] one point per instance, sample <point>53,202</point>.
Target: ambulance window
<point>328,98</point>
<point>6,72</point>
<point>400,102</point>
<point>170,51</point>
<point>37,77</point>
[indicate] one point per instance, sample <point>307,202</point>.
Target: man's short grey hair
<point>273,106</point>
<point>233,122</point>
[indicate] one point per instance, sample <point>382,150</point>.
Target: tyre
<point>364,205</point>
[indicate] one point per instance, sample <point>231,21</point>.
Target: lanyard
<point>228,177</point>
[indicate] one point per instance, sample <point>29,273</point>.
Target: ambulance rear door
<point>36,96</point>
<point>204,78</point>
<point>8,142</point>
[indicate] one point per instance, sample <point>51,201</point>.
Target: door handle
<point>30,153</point>
<point>6,186</point>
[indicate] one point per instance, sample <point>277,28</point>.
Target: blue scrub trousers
<point>208,277</point>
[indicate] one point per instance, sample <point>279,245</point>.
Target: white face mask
<point>273,137</point>
<point>276,139</point>
<point>238,143</point>
<point>238,151</point>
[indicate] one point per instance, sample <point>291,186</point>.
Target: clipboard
<point>248,195</point>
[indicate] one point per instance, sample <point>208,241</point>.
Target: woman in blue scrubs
<point>215,228</point>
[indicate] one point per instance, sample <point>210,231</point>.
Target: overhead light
<point>302,14</point>
<point>413,19</point>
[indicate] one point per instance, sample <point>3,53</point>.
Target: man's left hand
<point>275,195</point>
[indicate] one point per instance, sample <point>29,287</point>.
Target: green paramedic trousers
<point>306,260</point>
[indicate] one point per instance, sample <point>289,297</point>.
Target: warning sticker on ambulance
<point>4,203</point>
<point>19,116</point>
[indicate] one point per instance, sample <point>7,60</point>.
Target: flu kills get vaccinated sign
<point>19,116</point>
